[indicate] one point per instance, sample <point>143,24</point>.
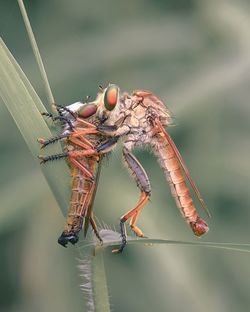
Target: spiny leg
<point>143,183</point>
<point>76,137</point>
<point>59,117</point>
<point>44,159</point>
<point>61,108</point>
<point>46,142</point>
<point>71,154</point>
<point>94,227</point>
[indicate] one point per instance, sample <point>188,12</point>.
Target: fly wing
<point>183,166</point>
<point>96,169</point>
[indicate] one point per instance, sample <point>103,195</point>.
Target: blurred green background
<point>195,55</point>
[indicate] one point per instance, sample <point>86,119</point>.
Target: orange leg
<point>143,183</point>
<point>76,154</point>
<point>86,123</point>
<point>142,201</point>
<point>80,166</point>
<point>88,198</point>
<point>94,227</point>
<point>84,132</point>
<point>134,214</point>
<point>81,142</point>
<point>135,228</point>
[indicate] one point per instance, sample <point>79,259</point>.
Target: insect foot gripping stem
<point>199,227</point>
<point>68,237</point>
<point>123,236</point>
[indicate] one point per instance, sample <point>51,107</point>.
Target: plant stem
<point>25,107</point>
<point>99,282</point>
<point>36,52</point>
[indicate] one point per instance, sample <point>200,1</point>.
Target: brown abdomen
<point>174,175</point>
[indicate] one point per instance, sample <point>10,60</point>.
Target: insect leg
<point>84,132</point>
<point>59,117</point>
<point>52,140</point>
<point>143,183</point>
<point>81,167</point>
<point>44,159</point>
<point>81,142</point>
<point>60,108</point>
<point>107,145</point>
<point>94,227</point>
<point>106,128</point>
<point>71,154</point>
<point>86,123</point>
<point>87,152</point>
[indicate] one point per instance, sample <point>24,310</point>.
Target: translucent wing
<point>181,161</point>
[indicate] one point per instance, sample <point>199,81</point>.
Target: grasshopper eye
<point>111,97</point>
<point>87,110</point>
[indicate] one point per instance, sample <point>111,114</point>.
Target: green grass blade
<point>99,282</point>
<point>36,52</point>
<point>25,107</point>
<point>112,239</point>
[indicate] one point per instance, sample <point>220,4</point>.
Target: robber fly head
<point>107,100</point>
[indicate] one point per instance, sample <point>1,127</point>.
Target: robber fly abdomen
<point>174,175</point>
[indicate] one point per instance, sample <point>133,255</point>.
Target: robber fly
<point>139,119</point>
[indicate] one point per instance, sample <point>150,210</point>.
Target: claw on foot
<point>41,140</point>
<point>42,159</point>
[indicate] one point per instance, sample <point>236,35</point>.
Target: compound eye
<point>87,110</point>
<point>111,97</point>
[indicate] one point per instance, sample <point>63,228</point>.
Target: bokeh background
<point>195,55</point>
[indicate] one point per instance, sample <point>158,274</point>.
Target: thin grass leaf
<point>99,282</point>
<point>25,107</point>
<point>36,52</point>
<point>112,239</point>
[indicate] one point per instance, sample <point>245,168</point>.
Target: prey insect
<point>81,139</point>
<point>139,119</point>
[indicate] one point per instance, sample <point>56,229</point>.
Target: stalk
<point>36,53</point>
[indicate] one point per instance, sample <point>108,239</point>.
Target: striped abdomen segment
<point>80,193</point>
<point>175,177</point>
